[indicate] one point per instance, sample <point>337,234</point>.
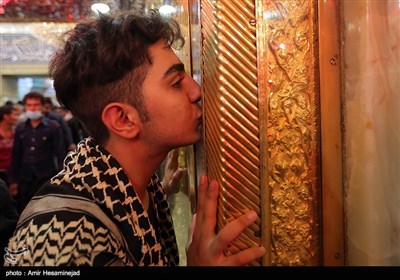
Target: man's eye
<point>178,83</point>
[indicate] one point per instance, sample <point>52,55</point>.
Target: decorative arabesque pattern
<point>231,103</point>
<point>261,122</point>
<point>293,132</point>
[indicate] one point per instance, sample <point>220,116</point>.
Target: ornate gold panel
<point>231,106</point>
<point>292,130</point>
<point>261,122</point>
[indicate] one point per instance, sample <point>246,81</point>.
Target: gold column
<point>231,107</point>
<point>261,108</point>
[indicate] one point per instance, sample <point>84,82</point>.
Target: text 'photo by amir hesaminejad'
<point>41,272</point>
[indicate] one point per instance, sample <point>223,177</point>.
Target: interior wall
<point>371,107</point>
<point>8,89</point>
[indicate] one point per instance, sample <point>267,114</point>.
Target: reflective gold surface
<point>292,131</point>
<point>261,122</point>
<point>231,106</point>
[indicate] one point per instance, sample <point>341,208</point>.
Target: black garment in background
<point>26,190</point>
<point>76,129</point>
<point>38,154</point>
<point>8,216</point>
<point>66,130</point>
<point>3,175</point>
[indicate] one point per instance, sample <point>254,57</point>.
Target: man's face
<point>171,99</point>
<point>46,108</point>
<point>13,117</point>
<point>33,104</point>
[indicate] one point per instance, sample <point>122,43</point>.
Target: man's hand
<point>71,147</point>
<point>205,247</point>
<point>172,173</point>
<point>13,189</point>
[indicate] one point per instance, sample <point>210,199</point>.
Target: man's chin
<point>196,138</point>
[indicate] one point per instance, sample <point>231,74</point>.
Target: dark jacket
<point>38,152</point>
<point>67,133</point>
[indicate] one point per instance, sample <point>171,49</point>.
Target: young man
<point>120,77</point>
<point>38,151</point>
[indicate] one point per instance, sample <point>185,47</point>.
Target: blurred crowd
<point>35,136</point>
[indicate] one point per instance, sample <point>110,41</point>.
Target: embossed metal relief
<point>292,131</point>
<point>261,122</point>
<point>231,105</point>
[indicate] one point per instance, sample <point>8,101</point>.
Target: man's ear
<point>121,119</point>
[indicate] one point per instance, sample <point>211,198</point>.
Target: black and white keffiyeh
<point>89,214</point>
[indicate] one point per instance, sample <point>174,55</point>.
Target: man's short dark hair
<point>6,110</point>
<point>34,95</point>
<point>105,59</point>
<point>47,100</point>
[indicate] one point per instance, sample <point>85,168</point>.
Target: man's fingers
<point>191,231</point>
<point>205,224</point>
<point>210,207</point>
<point>13,189</point>
<point>204,246</point>
<point>178,175</point>
<point>246,256</point>
<point>207,204</point>
<point>173,184</point>
<point>232,230</point>
<point>172,159</point>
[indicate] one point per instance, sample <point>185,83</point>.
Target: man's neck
<point>35,123</point>
<point>138,166</point>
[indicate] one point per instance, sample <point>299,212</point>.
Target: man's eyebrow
<point>178,67</point>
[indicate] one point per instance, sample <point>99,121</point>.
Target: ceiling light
<point>100,8</point>
<point>166,9</point>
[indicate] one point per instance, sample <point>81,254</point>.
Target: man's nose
<point>194,94</point>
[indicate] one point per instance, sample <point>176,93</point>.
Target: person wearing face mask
<point>38,151</point>
<point>120,76</point>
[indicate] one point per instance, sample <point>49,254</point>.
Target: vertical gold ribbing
<point>231,105</point>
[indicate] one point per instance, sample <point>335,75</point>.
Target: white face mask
<point>34,115</point>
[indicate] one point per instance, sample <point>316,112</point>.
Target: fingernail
<point>262,250</point>
<point>252,215</point>
<point>203,179</point>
